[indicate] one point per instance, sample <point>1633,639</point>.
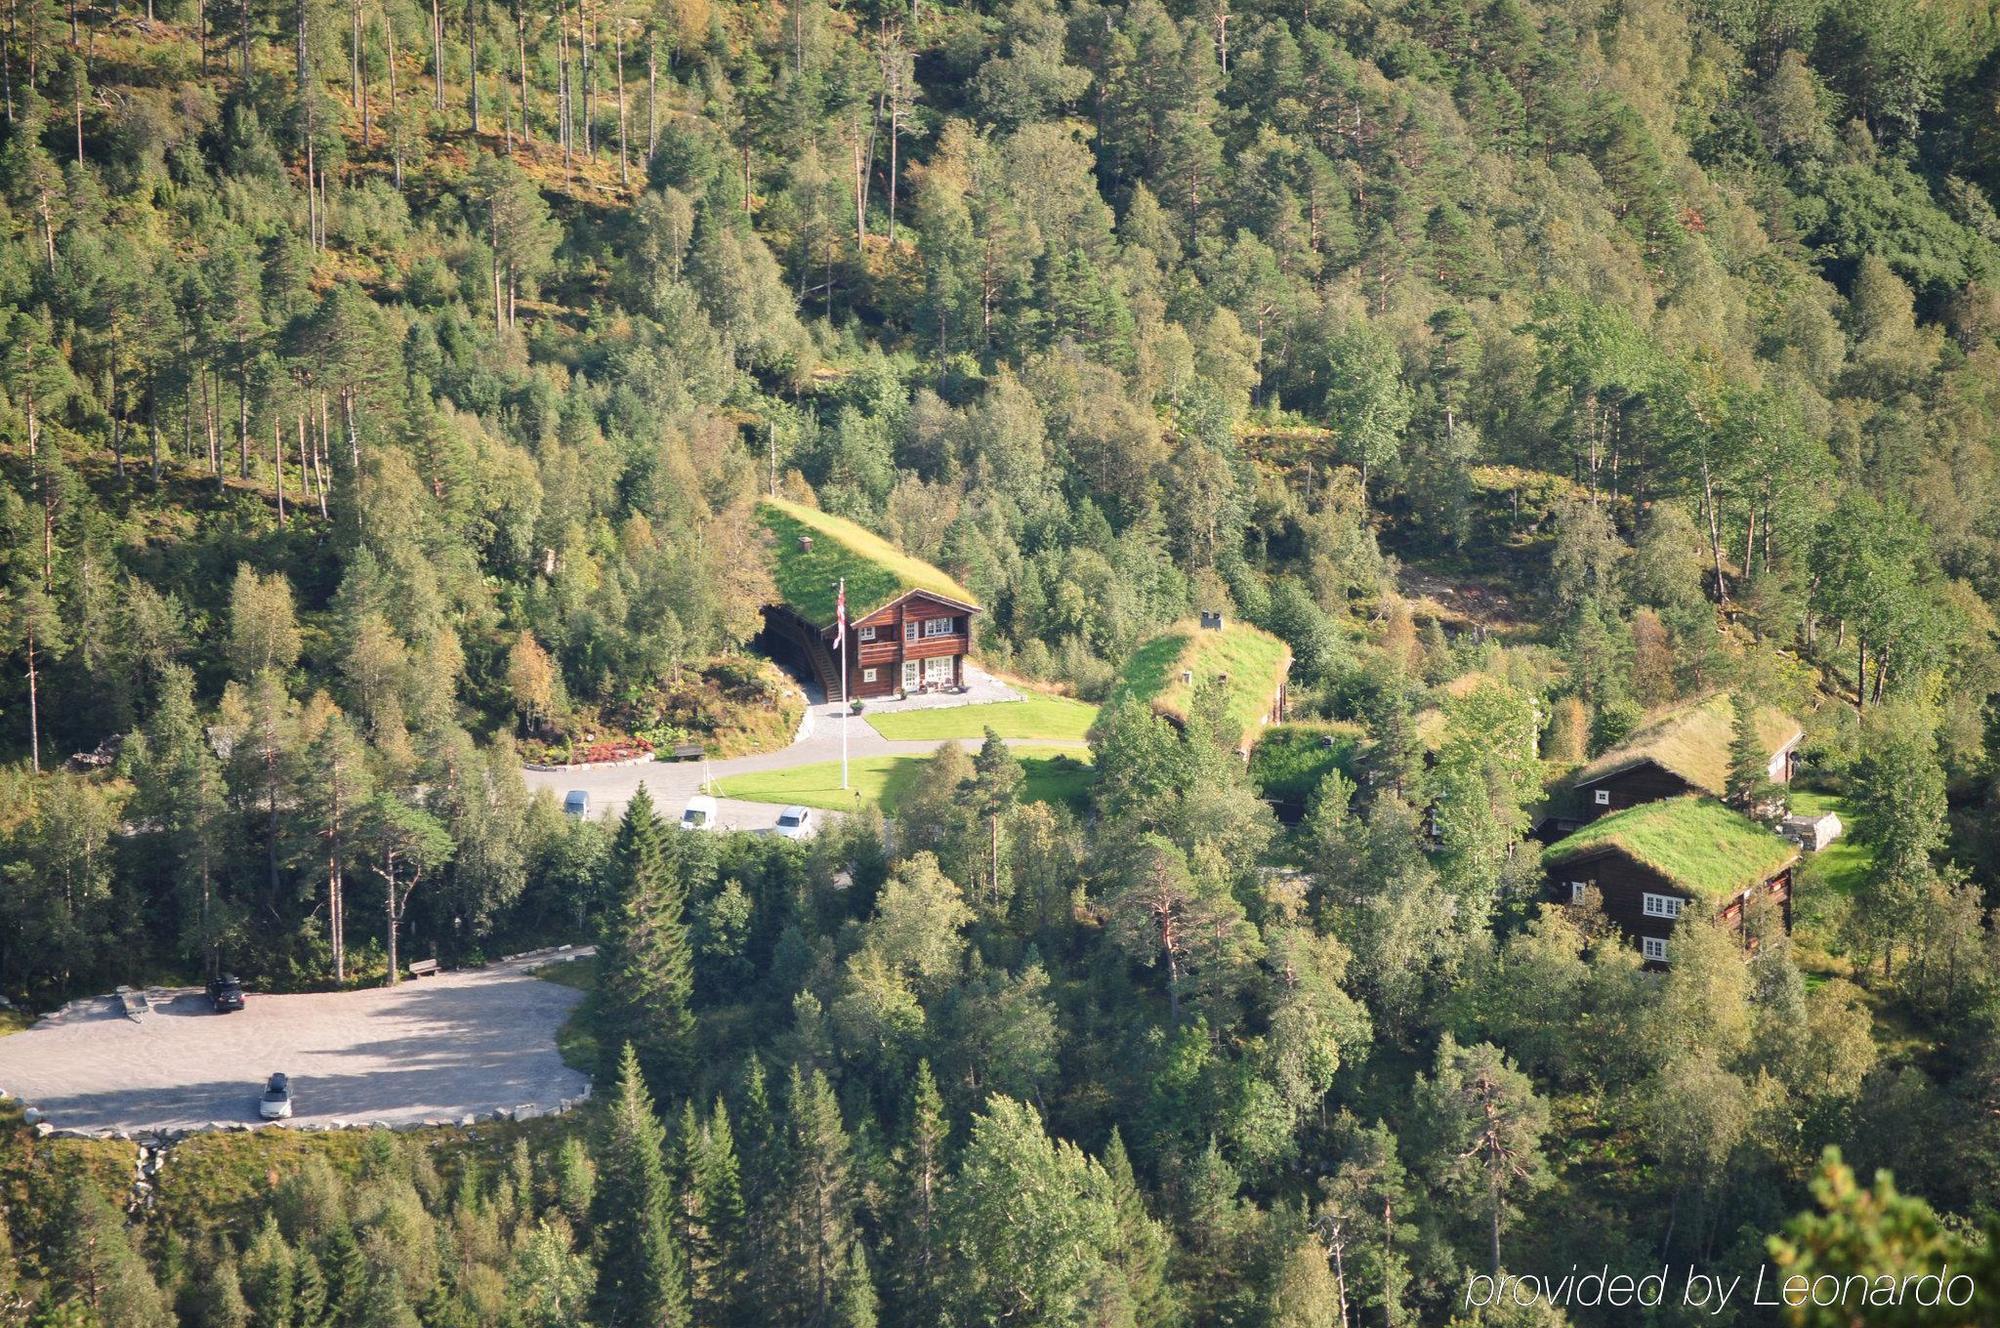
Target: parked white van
<point>700,814</point>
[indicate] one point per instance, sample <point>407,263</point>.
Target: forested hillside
<point>387,390</point>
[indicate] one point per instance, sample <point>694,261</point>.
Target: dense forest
<point>385,387</point>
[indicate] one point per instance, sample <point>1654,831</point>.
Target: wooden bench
<point>688,751</point>
<point>424,968</point>
<point>132,1003</point>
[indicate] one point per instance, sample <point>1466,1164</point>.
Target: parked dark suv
<point>226,993</point>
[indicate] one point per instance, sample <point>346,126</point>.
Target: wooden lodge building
<point>1644,826</point>
<point>909,625</point>
<point>915,643</point>
<point>1648,863</point>
<point>1685,751</point>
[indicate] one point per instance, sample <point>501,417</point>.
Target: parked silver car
<point>276,1104</point>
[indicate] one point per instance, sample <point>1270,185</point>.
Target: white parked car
<point>700,814</point>
<point>795,823</point>
<point>276,1104</point>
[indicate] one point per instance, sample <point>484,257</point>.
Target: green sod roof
<point>876,571</point>
<point>1254,660</point>
<point>1693,742</point>
<point>1696,843</point>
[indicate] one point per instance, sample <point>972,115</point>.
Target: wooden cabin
<point>1682,751</point>
<point>909,625</point>
<point>915,643</point>
<point>1651,861</point>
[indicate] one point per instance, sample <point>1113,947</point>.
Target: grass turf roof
<point>1255,661</point>
<point>1695,842</point>
<point>876,571</point>
<point>1692,741</point>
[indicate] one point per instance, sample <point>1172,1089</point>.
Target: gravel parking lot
<point>430,1049</point>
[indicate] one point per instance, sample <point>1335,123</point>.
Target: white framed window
<point>868,675</point>
<point>1602,797</point>
<point>1654,948</point>
<point>868,634</point>
<point>937,670</point>
<point>1576,889</point>
<point>1662,906</point>
<point>911,628</point>
<point>910,675</point>
<point>939,626</point>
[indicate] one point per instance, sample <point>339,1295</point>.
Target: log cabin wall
<point>893,647</point>
<point>1647,781</point>
<point>1624,884</point>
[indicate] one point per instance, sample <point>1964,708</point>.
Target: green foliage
<point>1514,368</point>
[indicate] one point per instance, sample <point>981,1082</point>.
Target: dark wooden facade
<point>1624,882</point>
<point>1645,781</point>
<point>916,642</point>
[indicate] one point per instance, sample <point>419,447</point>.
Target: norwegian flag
<point>840,617</point>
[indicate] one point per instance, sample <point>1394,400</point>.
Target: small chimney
<point>1211,621</point>
<point>805,544</point>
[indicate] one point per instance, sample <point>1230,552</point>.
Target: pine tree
<point>819,1232</point>
<point>222,1302</point>
<point>270,1277</point>
<point>649,963</point>
<point>1747,758</point>
<point>916,1256</point>
<point>1143,1248</point>
<point>95,1264</point>
<point>576,1180</point>
<point>382,1304</point>
<point>642,1282</point>
<point>763,1161</point>
<point>309,1299</point>
<point>718,1187</point>
<point>855,1305</point>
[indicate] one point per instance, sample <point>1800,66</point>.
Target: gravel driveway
<point>671,783</point>
<point>430,1049</point>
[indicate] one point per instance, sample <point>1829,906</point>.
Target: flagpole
<point>843,682</point>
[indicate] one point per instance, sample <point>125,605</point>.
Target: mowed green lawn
<point>1843,864</point>
<point>1052,775</point>
<point>1043,718</point>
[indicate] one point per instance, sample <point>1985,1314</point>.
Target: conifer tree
<point>1142,1248</point>
<point>649,962</point>
<point>95,1265</point>
<point>916,1254</point>
<point>718,1187</point>
<point>270,1278</point>
<point>309,1298</point>
<point>819,1230</point>
<point>762,1154</point>
<point>1746,755</point>
<point>643,1281</point>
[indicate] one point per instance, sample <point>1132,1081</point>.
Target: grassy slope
<point>1845,863</point>
<point>875,570</point>
<point>1254,660</point>
<point>1053,775</point>
<point>1695,842</point>
<point>1047,718</point>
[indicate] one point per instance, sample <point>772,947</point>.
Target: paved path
<point>430,1049</point>
<point>672,783</point>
